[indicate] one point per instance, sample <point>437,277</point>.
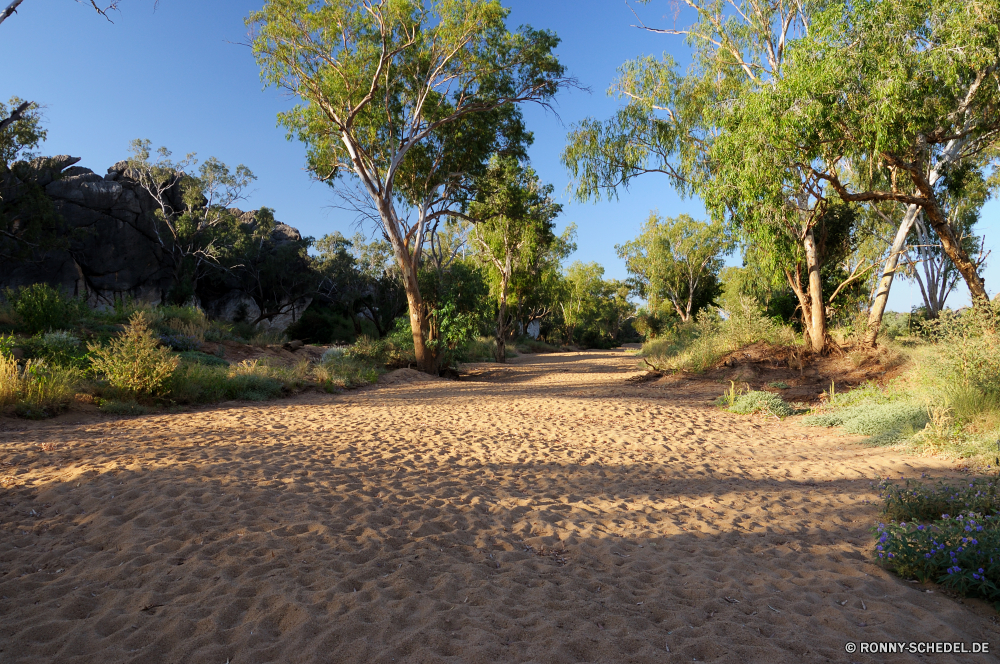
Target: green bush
<point>750,403</point>
<point>36,391</point>
<point>966,346</point>
<point>59,348</point>
<point>201,383</point>
<point>961,552</point>
<point>699,345</point>
<point>919,501</point>
<point>338,371</point>
<point>391,352</point>
<point>40,307</point>
<point>134,362</point>
<point>884,423</point>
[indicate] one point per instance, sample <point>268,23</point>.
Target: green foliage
<point>677,260</point>
<point>967,357</point>
<point>134,362</point>
<point>321,324</point>
<point>40,308</point>
<point>395,351</point>
<point>920,501</point>
<point>699,346</point>
<point>195,382</point>
<point>778,385</point>
<point>20,136</point>
<point>756,402</point>
<point>36,390</point>
<point>344,371</point>
<point>59,348</point>
<point>203,228</point>
<point>884,423</point>
<point>961,552</point>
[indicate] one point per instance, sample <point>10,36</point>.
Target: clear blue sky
<point>179,77</point>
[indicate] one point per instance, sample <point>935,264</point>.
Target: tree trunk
<point>951,246</point>
<point>501,354</point>
<point>427,359</point>
<point>817,328</point>
<point>804,303</point>
<point>882,294</point>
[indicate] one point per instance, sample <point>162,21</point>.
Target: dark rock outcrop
<point>109,250</point>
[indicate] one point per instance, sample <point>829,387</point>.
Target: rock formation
<point>108,253</point>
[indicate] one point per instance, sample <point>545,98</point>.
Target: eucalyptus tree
<point>379,79</point>
<point>894,101</point>
<point>699,128</point>
<point>673,259</point>
<point>514,216</point>
<point>194,220</point>
<point>927,264</point>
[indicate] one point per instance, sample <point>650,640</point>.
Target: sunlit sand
<point>547,511</point>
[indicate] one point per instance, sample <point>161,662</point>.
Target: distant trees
<point>676,260</point>
<point>514,216</point>
<point>382,82</point>
<point>194,215</point>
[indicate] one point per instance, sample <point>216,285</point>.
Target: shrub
<point>58,348</point>
<point>180,342</point>
<point>753,402</point>
<point>331,353</point>
<point>40,307</point>
<point>961,552</point>
<point>778,385</point>
<point>967,347</point>
<point>699,346</point>
<point>343,371</point>
<point>884,423</point>
<point>134,362</point>
<point>918,501</point>
<point>267,338</point>
<point>388,352</point>
<point>195,382</point>
<point>36,391</point>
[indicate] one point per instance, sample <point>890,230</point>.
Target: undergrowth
<point>944,534</point>
<point>698,346</point>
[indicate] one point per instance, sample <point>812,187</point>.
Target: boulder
<point>112,250</point>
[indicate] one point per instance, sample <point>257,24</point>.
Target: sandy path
<point>546,511</point>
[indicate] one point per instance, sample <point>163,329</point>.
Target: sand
<point>550,510</point>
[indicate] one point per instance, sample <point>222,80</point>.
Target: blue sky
<point>180,77</point>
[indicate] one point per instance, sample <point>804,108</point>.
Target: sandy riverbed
<point>546,511</point>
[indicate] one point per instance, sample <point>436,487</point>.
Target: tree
<point>20,131</point>
<point>514,216</point>
<point>269,263</point>
<point>674,258</point>
<point>193,219</point>
<point>380,78</point>
<point>698,129</point>
<point>926,262</point>
<point>362,278</point>
<point>891,101</point>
